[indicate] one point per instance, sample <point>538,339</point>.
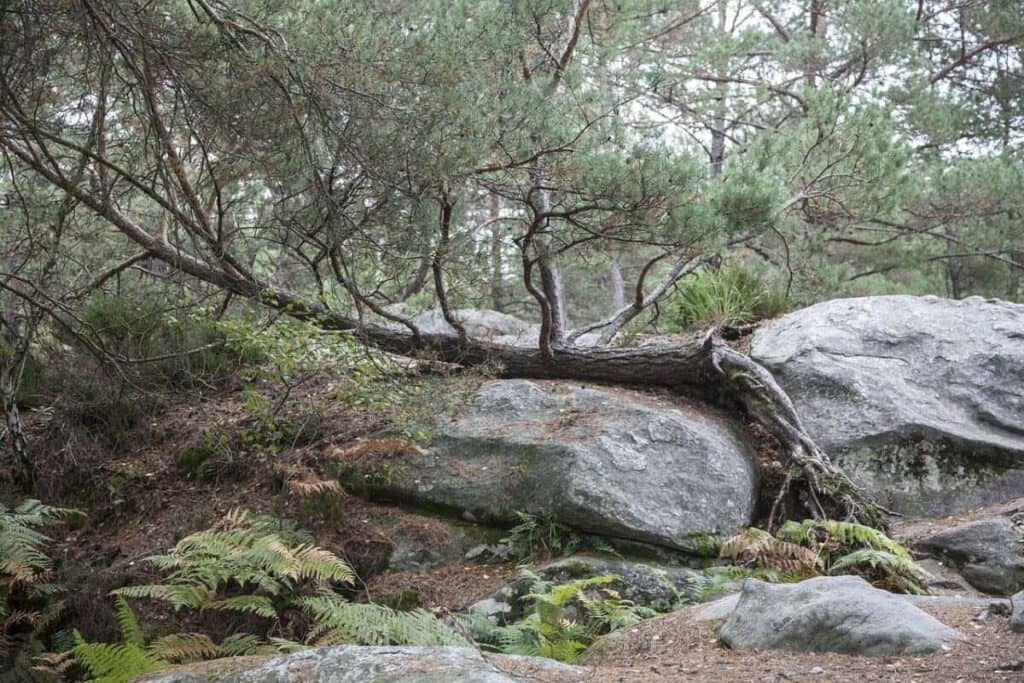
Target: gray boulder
<point>481,323</point>
<point>988,553</point>
<point>1017,612</point>
<point>361,664</point>
<point>919,399</point>
<point>831,614</point>
<point>611,462</point>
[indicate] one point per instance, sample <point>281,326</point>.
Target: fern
<point>114,663</point>
<point>548,629</point>
<point>336,622</point>
<point>756,548</point>
<point>257,566</point>
<point>244,555</point>
<point>185,647</point>
<point>29,602</point>
<point>814,547</point>
<point>131,632</point>
<point>887,570</point>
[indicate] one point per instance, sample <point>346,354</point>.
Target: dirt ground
<point>676,647</point>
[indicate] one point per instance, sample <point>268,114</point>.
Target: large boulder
<point>919,399</point>
<point>606,461</point>
<point>831,614</point>
<point>363,664</point>
<point>989,553</point>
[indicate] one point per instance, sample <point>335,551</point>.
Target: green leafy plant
<point>242,564</point>
<point>563,619</point>
<point>29,602</point>
<point>800,550</point>
<point>336,622</point>
<point>542,536</point>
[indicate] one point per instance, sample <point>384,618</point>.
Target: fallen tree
<point>164,182</point>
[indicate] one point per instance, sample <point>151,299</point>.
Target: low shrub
<point>562,619</point>
<point>730,295</point>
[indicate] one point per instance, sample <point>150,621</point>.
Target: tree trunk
<point>497,265</point>
<point>702,367</point>
<point>17,444</point>
<point>618,287</point>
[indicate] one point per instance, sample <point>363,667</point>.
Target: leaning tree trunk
<point>703,367</point>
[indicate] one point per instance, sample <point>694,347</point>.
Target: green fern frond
<point>185,647</point>
<point>252,604</point>
<point>114,663</point>
<point>241,644</point>
<point>888,570</point>
<point>337,621</point>
<point>131,632</point>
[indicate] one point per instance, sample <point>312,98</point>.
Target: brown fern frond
<point>313,487</point>
<point>374,448</point>
<point>757,548</point>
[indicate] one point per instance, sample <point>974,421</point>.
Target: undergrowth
<point>270,576</point>
<point>541,536</point>
<point>562,620</point>
<point>800,550</point>
<point>30,603</point>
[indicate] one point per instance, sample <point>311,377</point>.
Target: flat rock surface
<point>920,399</point>
<point>842,614</point>
<point>381,664</point>
<point>607,461</point>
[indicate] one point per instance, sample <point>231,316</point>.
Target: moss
<point>703,545</point>
<point>403,599</point>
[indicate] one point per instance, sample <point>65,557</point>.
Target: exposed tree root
<point>826,490</point>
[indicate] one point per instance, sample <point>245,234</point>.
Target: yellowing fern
<point>811,547</point>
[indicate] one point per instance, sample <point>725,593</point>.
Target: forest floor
<point>677,647</point>
<point>141,504</point>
